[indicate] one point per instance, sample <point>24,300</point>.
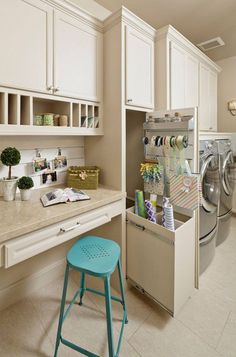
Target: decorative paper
<point>151,215</point>
<point>140,204</point>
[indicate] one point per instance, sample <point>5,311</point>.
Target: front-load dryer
<point>226,162</point>
<point>210,185</point>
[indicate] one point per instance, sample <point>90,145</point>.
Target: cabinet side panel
<point>162,75</point>
<point>106,151</point>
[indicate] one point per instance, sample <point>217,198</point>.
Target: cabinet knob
<point>210,128</point>
<point>56,89</point>
<point>50,88</point>
<point>129,100</point>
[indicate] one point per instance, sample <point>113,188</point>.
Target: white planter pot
<point>25,195</point>
<point>9,189</point>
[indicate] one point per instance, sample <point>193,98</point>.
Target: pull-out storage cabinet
<point>161,262</point>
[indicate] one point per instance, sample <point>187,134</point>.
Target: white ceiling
<point>198,20</point>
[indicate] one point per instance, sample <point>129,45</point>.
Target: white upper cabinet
<point>191,81</point>
<point>139,69</point>
<point>177,77</point>
<point>208,99</point>
<point>183,78</point>
<point>26,44</point>
<point>77,58</point>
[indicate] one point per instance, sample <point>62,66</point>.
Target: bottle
<point>167,118</point>
<point>177,118</point>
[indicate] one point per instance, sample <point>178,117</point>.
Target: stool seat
<point>94,255</point>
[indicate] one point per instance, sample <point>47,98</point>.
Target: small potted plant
<point>10,157</point>
<point>25,184</point>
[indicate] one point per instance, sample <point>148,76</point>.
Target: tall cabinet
<point>128,74</point>
<point>185,77</point>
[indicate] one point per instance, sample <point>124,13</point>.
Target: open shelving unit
<point>18,110</point>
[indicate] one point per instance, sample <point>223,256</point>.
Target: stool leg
<point>63,301</point>
<point>82,283</point>
<point>109,316</point>
<point>122,289</point>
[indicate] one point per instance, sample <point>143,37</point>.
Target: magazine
<point>62,196</point>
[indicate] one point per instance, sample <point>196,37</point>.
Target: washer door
<point>209,177</point>
<point>227,182</point>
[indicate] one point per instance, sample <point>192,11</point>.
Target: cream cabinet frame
<point>157,262</point>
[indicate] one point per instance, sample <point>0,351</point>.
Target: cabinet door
<point>77,58</point>
<point>213,100</point>
<point>208,99</point>
<point>204,119</point>
<point>26,44</point>
<point>177,76</point>
<point>139,69</point>
<point>191,81</point>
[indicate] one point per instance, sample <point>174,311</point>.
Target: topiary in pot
<point>10,157</point>
<point>25,183</point>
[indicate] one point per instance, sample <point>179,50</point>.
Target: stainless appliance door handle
<point>65,230</point>
<point>225,180</point>
<point>209,207</point>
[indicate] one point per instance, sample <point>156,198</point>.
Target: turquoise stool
<point>97,257</point>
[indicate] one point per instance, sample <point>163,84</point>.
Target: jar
<point>48,119</point>
<point>63,121</point>
<point>56,119</point>
<point>38,119</point>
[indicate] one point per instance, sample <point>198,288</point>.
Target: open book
<point>62,196</point>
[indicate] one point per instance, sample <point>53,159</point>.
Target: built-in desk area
<point>28,228</point>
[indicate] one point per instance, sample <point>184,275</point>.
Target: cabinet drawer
<point>31,244</point>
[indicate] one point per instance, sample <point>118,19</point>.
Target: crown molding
<point>170,33</point>
<point>126,16</point>
<point>72,9</point>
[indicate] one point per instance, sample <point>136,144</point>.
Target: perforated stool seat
<point>94,256</point>
<point>98,257</point>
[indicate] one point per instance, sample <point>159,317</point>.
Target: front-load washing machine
<point>210,185</point>
<point>226,162</point>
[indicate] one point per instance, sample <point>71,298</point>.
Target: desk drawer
<point>31,244</point>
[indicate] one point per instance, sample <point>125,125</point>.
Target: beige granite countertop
<point>21,217</point>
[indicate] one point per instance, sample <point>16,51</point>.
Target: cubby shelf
<point>18,110</point>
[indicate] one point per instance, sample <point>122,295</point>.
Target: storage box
<point>83,177</point>
<point>161,262</point>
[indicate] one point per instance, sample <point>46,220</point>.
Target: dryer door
<point>210,185</point>
<point>227,182</point>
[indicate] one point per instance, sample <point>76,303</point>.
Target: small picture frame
<point>60,162</point>
<point>40,164</point>
<point>49,177</point>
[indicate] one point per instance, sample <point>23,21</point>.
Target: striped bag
<point>185,191</point>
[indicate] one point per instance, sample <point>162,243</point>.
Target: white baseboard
<point>24,287</point>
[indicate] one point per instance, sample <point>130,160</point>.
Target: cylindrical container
<point>153,200</point>
<point>56,119</point>
<point>63,121</point>
<point>9,188</point>
<point>168,214</point>
<point>38,119</point>
<point>151,215</point>
<point>25,195</point>
<point>48,119</point>
<point>139,199</point>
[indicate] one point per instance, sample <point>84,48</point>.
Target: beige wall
<point>226,92</point>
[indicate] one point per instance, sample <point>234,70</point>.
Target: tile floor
<point>205,327</point>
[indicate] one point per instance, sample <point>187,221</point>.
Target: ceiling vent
<point>210,44</point>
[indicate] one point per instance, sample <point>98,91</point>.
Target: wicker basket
<point>83,177</point>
